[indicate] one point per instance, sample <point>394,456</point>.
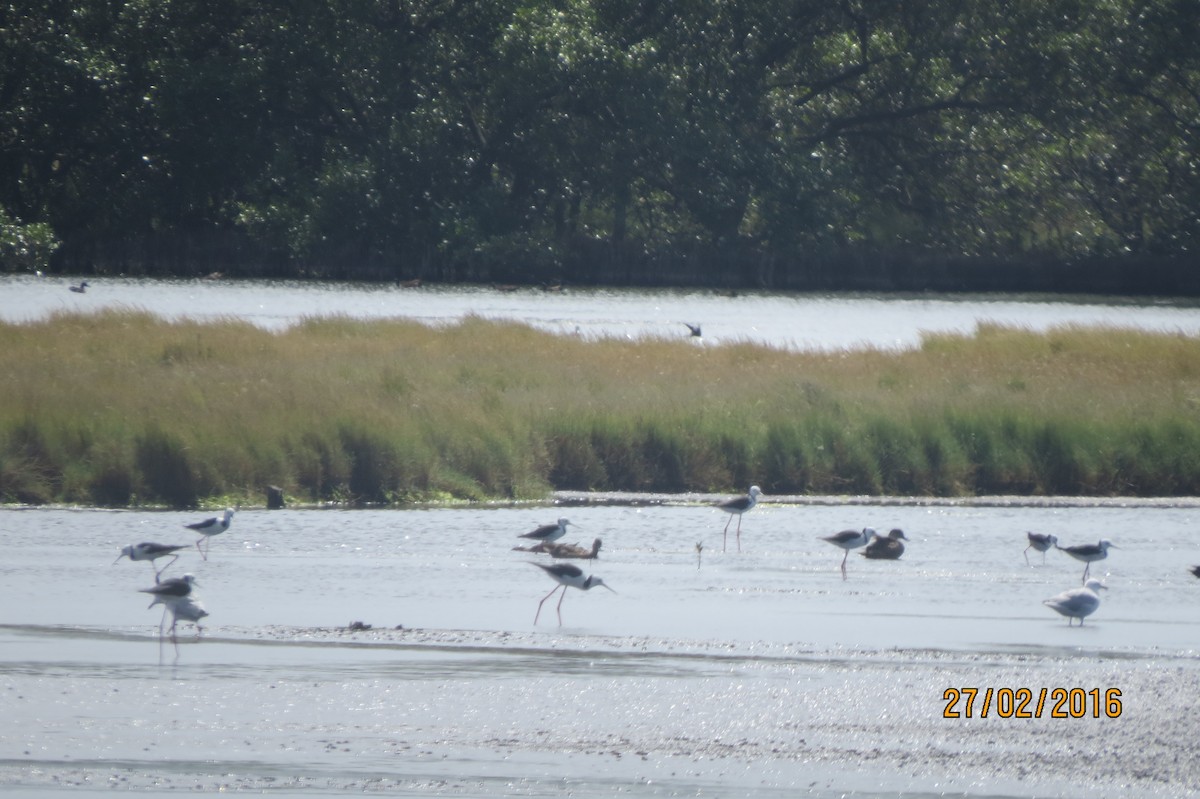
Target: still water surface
<point>785,320</point>
<point>708,674</point>
<point>762,673</point>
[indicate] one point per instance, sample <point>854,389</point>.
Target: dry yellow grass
<point>99,408</point>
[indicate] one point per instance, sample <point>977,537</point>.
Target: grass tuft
<point>122,408</point>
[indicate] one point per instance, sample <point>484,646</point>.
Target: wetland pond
<point>708,673</point>
<point>760,673</point>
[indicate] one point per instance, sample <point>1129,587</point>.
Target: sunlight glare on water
<point>701,664</point>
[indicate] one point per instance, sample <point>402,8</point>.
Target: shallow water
<point>784,320</point>
<point>760,673</point>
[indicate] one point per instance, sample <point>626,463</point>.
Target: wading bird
<point>210,527</point>
<point>1089,553</point>
<point>171,590</point>
<point>566,574</point>
<point>848,540</point>
<point>150,551</point>
<point>736,507</point>
<point>1041,543</point>
<point>170,593</point>
<point>548,532</point>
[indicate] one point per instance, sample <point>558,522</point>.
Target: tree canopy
<point>789,143</point>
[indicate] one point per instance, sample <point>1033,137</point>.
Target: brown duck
<point>887,547</point>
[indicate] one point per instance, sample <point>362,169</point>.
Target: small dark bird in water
<point>694,328</point>
<point>572,550</point>
<point>81,288</point>
<point>887,547</point>
<point>1041,543</point>
<point>1196,570</point>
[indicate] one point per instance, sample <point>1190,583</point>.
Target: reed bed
<point>123,408</point>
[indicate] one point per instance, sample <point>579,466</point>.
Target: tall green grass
<point>122,408</point>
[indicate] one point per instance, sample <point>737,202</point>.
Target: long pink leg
<point>739,533</point>
<point>547,596</point>
<point>725,534</point>
<point>560,601</point>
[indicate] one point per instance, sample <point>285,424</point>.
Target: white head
<point>755,492</point>
<point>1095,585</point>
<point>1105,544</point>
<point>126,552</point>
<point>564,522</point>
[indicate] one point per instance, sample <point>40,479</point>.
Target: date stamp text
<point>1031,703</point>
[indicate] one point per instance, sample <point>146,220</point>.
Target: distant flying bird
<point>150,551</point>
<point>566,574</point>
<point>548,532</point>
<point>889,547</point>
<point>209,528</point>
<point>736,507</point>
<point>1089,553</point>
<point>848,540</point>
<point>1077,602</point>
<point>1041,543</point>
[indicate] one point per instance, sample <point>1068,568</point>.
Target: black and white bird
<point>172,594</point>
<point>1089,553</point>
<point>889,547</point>
<point>736,507</point>
<point>848,540</point>
<point>170,590</point>
<point>548,532</point>
<point>150,551</point>
<point>566,575</point>
<point>210,527</point>
<point>1077,603</point>
<point>1040,542</point>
